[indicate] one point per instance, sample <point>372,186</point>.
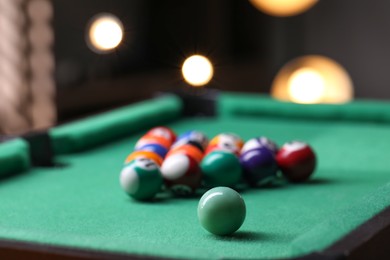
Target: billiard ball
<point>141,179</point>
<point>259,166</point>
<point>155,148</point>
<point>164,132</point>
<point>193,137</point>
<point>221,168</point>
<point>189,150</point>
<point>297,161</point>
<point>149,139</point>
<point>181,174</point>
<point>223,147</point>
<point>144,154</point>
<point>227,142</point>
<point>221,211</point>
<point>230,139</point>
<point>259,142</point>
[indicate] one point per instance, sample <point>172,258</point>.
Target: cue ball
<point>141,179</point>
<point>297,161</point>
<point>221,211</point>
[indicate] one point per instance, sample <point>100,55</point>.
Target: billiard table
<point>60,194</point>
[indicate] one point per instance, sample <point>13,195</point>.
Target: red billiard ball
<point>181,174</point>
<point>188,149</point>
<point>297,161</point>
<point>164,132</point>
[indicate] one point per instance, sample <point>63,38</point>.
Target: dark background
<point>246,46</point>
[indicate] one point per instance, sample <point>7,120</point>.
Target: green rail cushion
<point>90,132</point>
<point>342,222</point>
<point>14,157</point>
<point>236,104</point>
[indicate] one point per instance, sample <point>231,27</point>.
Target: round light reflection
<point>105,33</point>
<point>313,79</point>
<point>197,70</point>
<point>283,7</point>
<point>306,85</point>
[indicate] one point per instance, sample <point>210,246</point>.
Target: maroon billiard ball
<point>181,174</point>
<point>296,160</point>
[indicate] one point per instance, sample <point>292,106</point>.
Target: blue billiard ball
<point>196,138</point>
<point>156,148</point>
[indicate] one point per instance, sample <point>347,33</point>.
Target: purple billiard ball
<point>259,166</point>
<point>258,142</point>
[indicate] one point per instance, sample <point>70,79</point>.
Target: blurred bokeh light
<point>313,79</point>
<point>105,33</point>
<point>197,70</point>
<point>283,7</point>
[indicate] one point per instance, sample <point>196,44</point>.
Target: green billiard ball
<point>221,211</point>
<point>141,179</point>
<point>221,168</point>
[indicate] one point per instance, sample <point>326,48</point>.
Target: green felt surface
<point>14,157</point>
<point>239,104</point>
<point>90,132</point>
<point>82,205</point>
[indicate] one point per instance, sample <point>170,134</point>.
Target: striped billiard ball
<point>164,132</point>
<point>141,179</point>
<point>181,174</point>
<point>258,142</point>
<point>194,137</point>
<point>259,166</point>
<point>155,148</point>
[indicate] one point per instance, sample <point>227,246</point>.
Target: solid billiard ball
<point>193,137</point>
<point>181,174</point>
<point>297,161</point>
<point>164,132</point>
<point>221,168</point>
<point>150,139</point>
<point>221,211</point>
<point>188,149</point>
<point>141,179</point>
<point>145,154</point>
<point>155,148</point>
<point>259,142</point>
<point>259,166</point>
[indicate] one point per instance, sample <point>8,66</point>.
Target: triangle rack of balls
<point>189,163</point>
